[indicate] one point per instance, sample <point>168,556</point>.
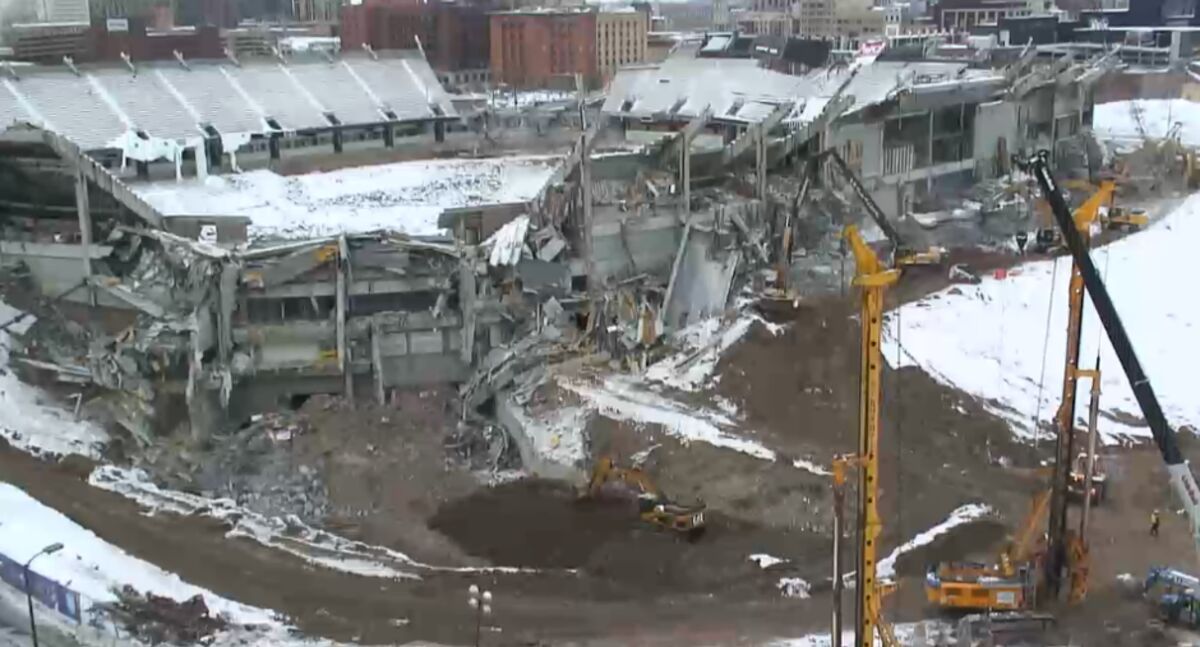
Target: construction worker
<point>1154,521</point>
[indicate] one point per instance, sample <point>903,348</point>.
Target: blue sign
<point>45,590</point>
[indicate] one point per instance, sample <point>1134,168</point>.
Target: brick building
<point>533,48</point>
<point>453,35</point>
<point>107,39</point>
<point>620,38</point>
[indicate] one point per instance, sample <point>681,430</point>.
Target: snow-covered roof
<point>168,101</point>
<point>402,197</point>
<point>740,90</point>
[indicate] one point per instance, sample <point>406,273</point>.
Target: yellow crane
<point>872,278</point>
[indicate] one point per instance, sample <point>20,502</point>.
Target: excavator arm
<point>1180,473</point>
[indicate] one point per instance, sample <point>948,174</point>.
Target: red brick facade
<point>538,48</point>
<point>454,36</point>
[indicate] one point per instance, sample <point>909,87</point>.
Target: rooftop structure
<point>96,106</point>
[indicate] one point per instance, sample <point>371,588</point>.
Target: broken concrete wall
<point>626,246</point>
<point>996,138</point>
<point>57,267</point>
<point>862,143</point>
<point>702,277</point>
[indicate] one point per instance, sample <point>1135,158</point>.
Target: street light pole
<point>52,548</point>
<point>482,606</point>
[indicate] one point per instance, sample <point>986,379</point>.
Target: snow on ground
<point>1115,123</point>
<point>404,197</point>
<point>624,398</point>
<point>763,560</point>
<point>886,568</point>
<point>528,98</point>
<point>794,587</point>
<point>289,535</point>
<point>29,419</point>
<point>702,344</point>
<point>91,566</point>
<point>987,339</point>
<point>907,633</point>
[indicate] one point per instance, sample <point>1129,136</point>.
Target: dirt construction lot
<point>599,576</point>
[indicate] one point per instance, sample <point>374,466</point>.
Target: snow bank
<point>886,568</point>
<point>405,197</point>
<point>1115,124</point>
<point>29,419</point>
<point>91,566</point>
<point>987,339</point>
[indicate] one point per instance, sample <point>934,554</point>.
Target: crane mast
<point>872,278</point>
<point>1058,534</point>
<point>1183,482</point>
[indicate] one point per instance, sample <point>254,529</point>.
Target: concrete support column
<point>929,176</point>
<point>226,301</point>
<point>214,151</point>
<point>83,206</point>
<point>343,348</point>
<point>466,301</point>
<point>685,178</point>
<point>377,361</point>
<point>389,136</point>
<point>585,194</point>
<point>273,146</point>
<point>760,161</point>
<point>337,140</point>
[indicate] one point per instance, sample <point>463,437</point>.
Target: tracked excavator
<point>653,506</point>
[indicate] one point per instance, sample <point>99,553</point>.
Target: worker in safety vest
<point>1154,521</point>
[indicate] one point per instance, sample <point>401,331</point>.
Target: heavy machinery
<point>872,278</point>
<point>1174,595</point>
<point>1048,239</point>
<point>1009,584</point>
<point>1125,219</point>
<point>1078,476</point>
<point>653,506</point>
<point>1183,482</point>
<point>902,255</point>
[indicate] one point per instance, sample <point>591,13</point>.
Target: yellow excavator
<point>1049,239</point>
<point>1005,585</point>
<point>653,506</point>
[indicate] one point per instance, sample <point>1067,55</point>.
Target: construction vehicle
<point>1125,219</point>
<point>1048,239</point>
<point>1099,488</point>
<point>1183,482</point>
<point>872,278</point>
<point>1174,595</point>
<point>1008,584</point>
<point>653,506</point>
<point>902,255</point>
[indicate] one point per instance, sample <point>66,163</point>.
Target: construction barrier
<point>44,590</point>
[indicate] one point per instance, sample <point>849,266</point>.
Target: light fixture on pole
<point>482,604</point>
<point>52,548</point>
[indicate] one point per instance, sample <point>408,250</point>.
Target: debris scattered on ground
<point>159,619</point>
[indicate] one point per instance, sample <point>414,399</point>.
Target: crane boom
<point>1180,473</point>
